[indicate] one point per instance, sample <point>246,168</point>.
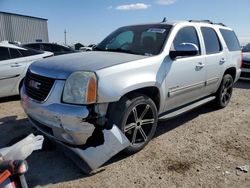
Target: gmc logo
<point>34,84</point>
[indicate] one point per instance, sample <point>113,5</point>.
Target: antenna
<point>65,37</point>
<point>164,19</point>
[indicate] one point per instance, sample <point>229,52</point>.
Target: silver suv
<point>135,76</point>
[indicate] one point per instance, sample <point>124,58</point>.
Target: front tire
<point>224,93</point>
<point>137,118</point>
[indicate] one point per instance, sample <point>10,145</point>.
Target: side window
<point>66,49</point>
<point>122,39</point>
<point>4,53</point>
<point>56,48</point>
<point>30,52</point>
<point>211,40</point>
<point>230,39</point>
<point>47,47</point>
<point>33,46</point>
<point>14,53</point>
<point>186,35</point>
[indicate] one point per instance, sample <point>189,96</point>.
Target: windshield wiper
<point>122,51</point>
<point>99,49</point>
<point>116,50</point>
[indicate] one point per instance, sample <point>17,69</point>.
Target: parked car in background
<point>135,76</point>
<point>14,62</point>
<point>245,70</point>
<point>88,48</point>
<point>51,47</point>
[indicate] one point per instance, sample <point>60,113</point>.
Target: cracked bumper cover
<point>59,121</point>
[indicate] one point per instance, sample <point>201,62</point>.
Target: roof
<point>193,22</point>
<point>8,45</point>
<point>23,15</point>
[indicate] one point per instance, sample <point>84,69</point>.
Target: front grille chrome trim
<point>42,93</point>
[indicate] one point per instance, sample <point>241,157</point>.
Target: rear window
<point>14,53</point>
<point>34,46</point>
<point>211,40</point>
<point>4,53</point>
<point>52,48</point>
<point>29,52</point>
<point>231,40</point>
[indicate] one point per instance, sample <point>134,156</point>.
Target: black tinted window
<point>29,52</point>
<point>14,53</point>
<point>51,48</point>
<point>56,48</point>
<point>186,35</point>
<point>34,46</point>
<point>230,39</point>
<point>4,53</point>
<point>66,49</point>
<point>211,40</point>
<point>46,47</point>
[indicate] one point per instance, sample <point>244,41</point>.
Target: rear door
<point>12,64</point>
<point>215,59</point>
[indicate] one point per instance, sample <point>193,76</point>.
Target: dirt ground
<point>201,148</point>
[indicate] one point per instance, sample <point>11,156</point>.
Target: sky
<point>90,21</point>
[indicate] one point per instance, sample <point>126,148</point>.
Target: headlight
<point>80,88</point>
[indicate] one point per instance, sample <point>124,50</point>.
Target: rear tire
<point>224,93</point>
<point>137,118</point>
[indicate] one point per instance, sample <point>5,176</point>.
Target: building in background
<point>21,28</point>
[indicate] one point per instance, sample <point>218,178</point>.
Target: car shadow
<point>242,84</point>
<point>8,99</point>
<point>51,166</point>
<point>165,126</point>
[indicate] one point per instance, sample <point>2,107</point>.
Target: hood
<point>246,56</point>
<point>60,67</point>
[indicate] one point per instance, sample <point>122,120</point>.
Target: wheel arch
<point>150,91</point>
<point>231,71</point>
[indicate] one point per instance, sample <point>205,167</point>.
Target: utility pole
<point>65,37</point>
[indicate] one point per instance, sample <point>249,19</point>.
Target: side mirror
<point>184,49</point>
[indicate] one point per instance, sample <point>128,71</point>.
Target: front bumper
<point>245,74</point>
<point>63,122</point>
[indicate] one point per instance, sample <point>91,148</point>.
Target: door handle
<point>16,65</point>
<point>222,61</point>
<point>200,65</point>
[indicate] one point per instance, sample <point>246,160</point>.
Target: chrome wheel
<point>224,92</point>
<point>139,124</point>
<point>227,89</point>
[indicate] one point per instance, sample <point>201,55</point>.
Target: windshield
<point>141,39</point>
<point>246,48</point>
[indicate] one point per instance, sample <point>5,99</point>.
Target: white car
<point>14,62</point>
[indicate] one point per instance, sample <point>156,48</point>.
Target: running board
<point>187,108</point>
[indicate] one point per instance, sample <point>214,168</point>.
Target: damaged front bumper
<point>63,122</point>
<point>66,125</point>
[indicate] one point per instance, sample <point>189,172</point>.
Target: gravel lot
<point>201,148</point>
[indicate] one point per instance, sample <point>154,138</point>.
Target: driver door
<point>185,81</point>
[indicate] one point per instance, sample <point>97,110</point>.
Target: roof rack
<point>206,21</point>
<point>222,24</point>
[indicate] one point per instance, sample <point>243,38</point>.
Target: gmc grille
<point>38,87</point>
